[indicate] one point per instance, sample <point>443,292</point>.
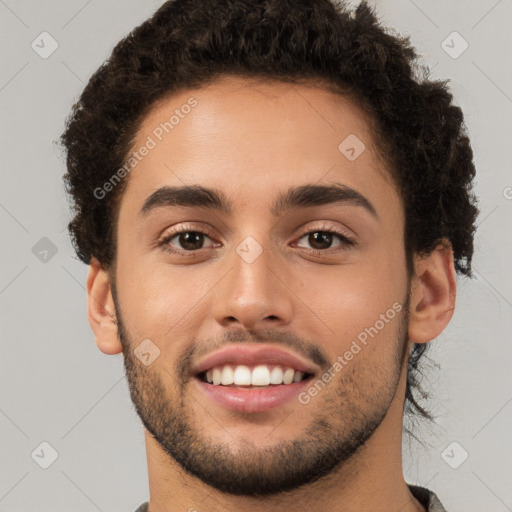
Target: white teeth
<point>227,376</point>
<point>276,375</point>
<point>217,376</point>
<point>242,376</point>
<point>260,375</point>
<point>297,377</point>
<point>288,376</point>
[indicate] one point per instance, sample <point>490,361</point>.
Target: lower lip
<point>252,399</point>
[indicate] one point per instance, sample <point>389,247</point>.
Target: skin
<point>252,141</point>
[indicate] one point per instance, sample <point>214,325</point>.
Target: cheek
<point>350,303</point>
<point>350,293</point>
<point>159,302</point>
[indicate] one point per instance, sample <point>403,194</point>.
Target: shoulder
<point>427,498</point>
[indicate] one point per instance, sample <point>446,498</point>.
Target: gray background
<point>57,387</point>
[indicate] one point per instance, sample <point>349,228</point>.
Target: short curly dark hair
<point>189,43</point>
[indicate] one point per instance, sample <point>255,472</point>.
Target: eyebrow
<point>295,197</point>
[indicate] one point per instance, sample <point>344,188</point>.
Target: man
<point>274,210</point>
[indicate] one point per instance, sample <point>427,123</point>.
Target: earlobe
<point>433,293</point>
<point>101,309</point>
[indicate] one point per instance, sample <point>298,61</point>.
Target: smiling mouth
<point>251,377</point>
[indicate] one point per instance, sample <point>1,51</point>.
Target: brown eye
<point>191,240</point>
<point>184,241</point>
<point>320,239</point>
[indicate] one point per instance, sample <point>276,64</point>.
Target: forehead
<point>251,138</point>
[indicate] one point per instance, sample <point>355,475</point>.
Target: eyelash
<point>348,242</point>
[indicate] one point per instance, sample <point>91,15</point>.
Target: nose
<point>254,295</point>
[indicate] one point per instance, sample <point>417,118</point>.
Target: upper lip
<point>253,355</point>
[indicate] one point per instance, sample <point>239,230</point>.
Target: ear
<point>101,309</point>
<point>433,294</point>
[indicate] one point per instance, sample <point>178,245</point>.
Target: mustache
<point>308,350</point>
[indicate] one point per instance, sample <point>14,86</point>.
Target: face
<point>261,279</point>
